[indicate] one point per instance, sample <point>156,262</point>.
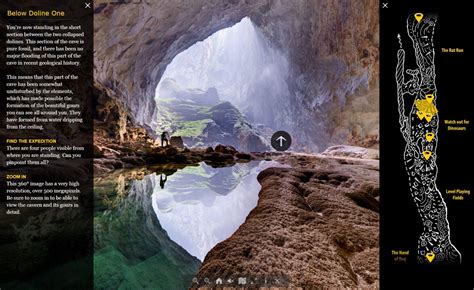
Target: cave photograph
<point>236,144</point>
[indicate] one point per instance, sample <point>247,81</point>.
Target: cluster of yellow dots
<point>426,109</point>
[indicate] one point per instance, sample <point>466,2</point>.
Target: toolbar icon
<point>242,281</point>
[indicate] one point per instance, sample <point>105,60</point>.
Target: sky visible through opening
<point>240,65</point>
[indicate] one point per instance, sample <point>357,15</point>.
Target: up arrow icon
<point>281,141</point>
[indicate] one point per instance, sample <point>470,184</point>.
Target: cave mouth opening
<point>235,65</point>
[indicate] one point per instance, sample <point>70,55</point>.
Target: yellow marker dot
<point>426,154</point>
<point>420,115</point>
<point>430,136</point>
<point>418,17</point>
<point>430,256</point>
<point>429,98</point>
<point>428,117</point>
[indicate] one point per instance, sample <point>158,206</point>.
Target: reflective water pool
<point>202,206</point>
<point>152,230</point>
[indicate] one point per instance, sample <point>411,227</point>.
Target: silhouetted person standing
<point>163,180</point>
<point>164,138</point>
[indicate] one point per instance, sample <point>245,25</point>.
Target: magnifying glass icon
<point>206,280</point>
<point>195,280</point>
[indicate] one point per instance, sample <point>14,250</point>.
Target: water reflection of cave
<point>236,64</point>
<point>201,206</point>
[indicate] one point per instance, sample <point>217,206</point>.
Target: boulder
<point>225,149</point>
<point>177,141</point>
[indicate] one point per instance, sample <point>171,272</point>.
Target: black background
<point>60,256</point>
<point>400,223</point>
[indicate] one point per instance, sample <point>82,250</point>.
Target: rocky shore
<point>114,156</point>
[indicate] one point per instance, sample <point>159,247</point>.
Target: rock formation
<point>177,141</point>
<point>316,223</point>
<point>352,151</point>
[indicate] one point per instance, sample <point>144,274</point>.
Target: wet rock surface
<point>316,223</point>
<point>110,155</point>
<point>351,151</point>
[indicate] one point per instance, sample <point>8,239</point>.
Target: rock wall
<point>331,47</point>
<point>113,120</point>
<point>134,42</point>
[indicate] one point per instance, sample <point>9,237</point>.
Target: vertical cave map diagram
<point>426,157</point>
<point>420,130</point>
